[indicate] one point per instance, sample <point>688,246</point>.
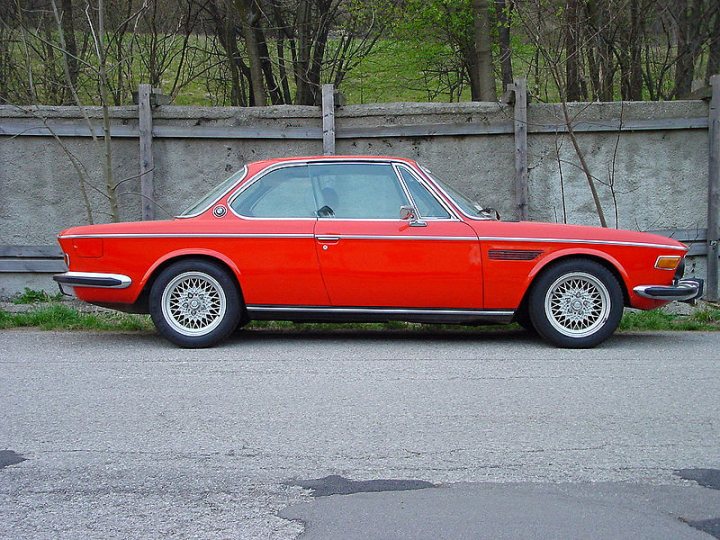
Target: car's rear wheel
<point>576,303</point>
<point>195,303</point>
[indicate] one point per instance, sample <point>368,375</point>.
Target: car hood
<point>573,233</point>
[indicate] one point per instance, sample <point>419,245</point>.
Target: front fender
<point>575,252</point>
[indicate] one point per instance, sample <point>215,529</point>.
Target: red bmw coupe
<point>337,239</point>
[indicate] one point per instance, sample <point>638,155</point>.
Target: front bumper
<point>684,290</point>
<point>92,279</point>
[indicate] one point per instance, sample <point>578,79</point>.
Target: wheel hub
<point>194,303</point>
<point>577,304</point>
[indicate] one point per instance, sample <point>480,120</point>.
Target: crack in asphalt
<point>337,485</point>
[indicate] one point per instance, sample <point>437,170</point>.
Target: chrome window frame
<point>244,170</point>
<point>391,163</point>
<point>316,161</point>
<point>452,215</point>
<point>429,175</point>
<point>257,178</point>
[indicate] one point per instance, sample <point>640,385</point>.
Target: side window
<point>426,202</point>
<point>283,193</point>
<point>358,190</point>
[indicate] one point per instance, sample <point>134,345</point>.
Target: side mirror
<point>409,213</point>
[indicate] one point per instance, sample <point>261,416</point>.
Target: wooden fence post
<point>328,119</point>
<point>519,88</point>
<point>147,161</point>
<point>713,233</point>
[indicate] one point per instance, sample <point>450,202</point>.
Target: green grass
<point>60,317</point>
<point>57,316</point>
<point>31,296</point>
<point>705,319</point>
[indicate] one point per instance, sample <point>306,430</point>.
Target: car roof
<point>274,161</point>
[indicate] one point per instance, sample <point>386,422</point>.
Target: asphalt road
<point>126,436</point>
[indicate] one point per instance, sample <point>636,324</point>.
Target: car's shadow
<point>308,333</point>
<point>513,337</point>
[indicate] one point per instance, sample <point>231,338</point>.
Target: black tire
<point>195,303</point>
<point>576,304</point>
<point>522,317</point>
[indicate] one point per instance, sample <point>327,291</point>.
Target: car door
<point>369,256</point>
<point>274,245</point>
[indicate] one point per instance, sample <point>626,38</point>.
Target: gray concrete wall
<point>658,177</point>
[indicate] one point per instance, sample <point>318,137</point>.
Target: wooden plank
<point>298,133</point>
<point>147,160</point>
<point>30,252</point>
<point>683,235</point>
<point>520,125</point>
<point>222,132</point>
<point>78,129</point>
<point>713,232</point>
<point>697,250</point>
<point>615,125</point>
<point>40,266</point>
<point>424,130</point>
<point>328,119</point>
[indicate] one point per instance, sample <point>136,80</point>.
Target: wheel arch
<point>607,261</point>
<point>181,255</point>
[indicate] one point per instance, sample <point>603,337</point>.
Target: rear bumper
<point>93,279</point>
<point>683,290</point>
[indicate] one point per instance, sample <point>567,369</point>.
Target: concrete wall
<point>658,177</point>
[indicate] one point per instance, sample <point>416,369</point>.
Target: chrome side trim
<point>94,279</point>
<point>259,235</point>
<point>383,311</point>
<point>414,237</point>
<point>372,237</point>
<point>187,235</point>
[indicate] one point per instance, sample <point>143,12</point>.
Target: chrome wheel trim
<point>577,304</point>
<point>194,304</point>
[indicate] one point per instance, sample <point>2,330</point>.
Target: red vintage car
<point>352,238</point>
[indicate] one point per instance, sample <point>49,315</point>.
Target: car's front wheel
<point>576,303</point>
<point>195,303</point>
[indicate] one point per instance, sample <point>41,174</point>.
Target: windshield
<point>217,192</point>
<point>468,207</point>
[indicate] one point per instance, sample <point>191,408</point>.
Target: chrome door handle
<point>329,239</point>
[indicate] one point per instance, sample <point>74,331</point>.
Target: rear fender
<point>190,252</point>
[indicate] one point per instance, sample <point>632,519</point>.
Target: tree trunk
<point>636,28</point>
<point>244,10</point>
<point>103,84</point>
<point>600,57</point>
<point>503,9</point>
<point>483,52</point>
<point>303,95</point>
<point>267,68</point>
<point>280,45</point>
<point>688,18</point>
<point>68,30</point>
<point>713,65</point>
<point>573,84</point>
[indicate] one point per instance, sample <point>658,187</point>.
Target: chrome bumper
<point>92,279</point>
<point>683,290</point>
